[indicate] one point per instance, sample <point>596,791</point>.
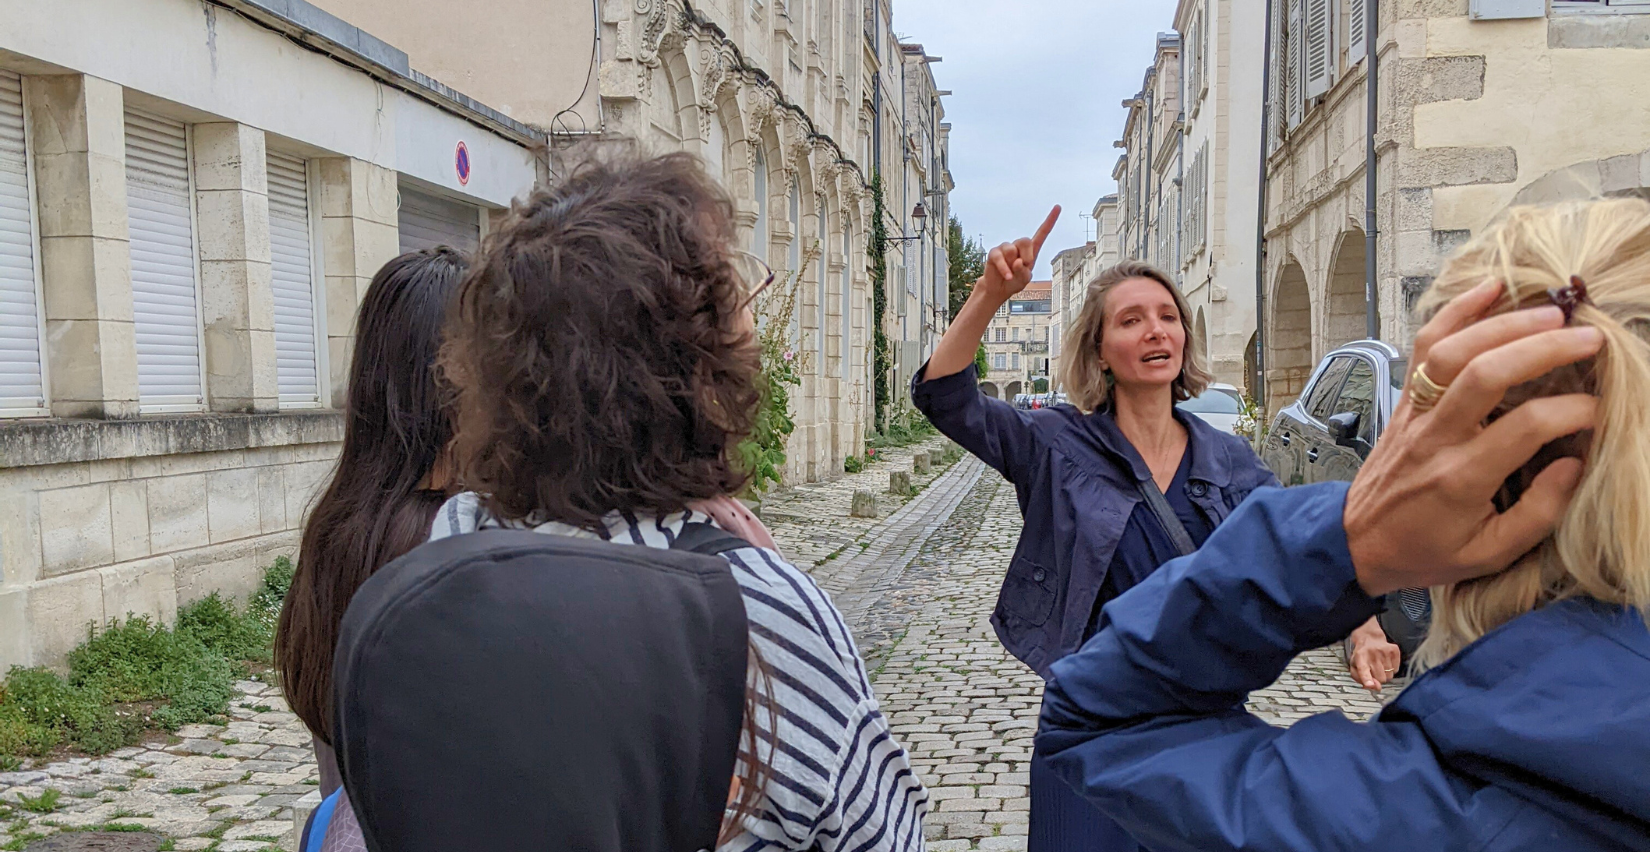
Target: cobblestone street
<point>917,584</point>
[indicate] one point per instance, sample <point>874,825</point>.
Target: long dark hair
<point>380,503</point>
<point>600,358</point>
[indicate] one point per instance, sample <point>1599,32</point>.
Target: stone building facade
<point>1483,104</point>
<point>799,105</point>
<point>1149,171</point>
<point>1222,94</point>
<point>1017,342</point>
<point>193,199</point>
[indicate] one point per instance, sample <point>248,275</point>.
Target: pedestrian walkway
<point>917,585</point>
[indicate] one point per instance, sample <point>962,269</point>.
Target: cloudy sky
<point>1037,90</point>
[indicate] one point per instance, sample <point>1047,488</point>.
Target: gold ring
<point>1424,393</point>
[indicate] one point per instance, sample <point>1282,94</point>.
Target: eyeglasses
<point>754,275</point>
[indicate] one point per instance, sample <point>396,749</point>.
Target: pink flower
<point>789,355</point>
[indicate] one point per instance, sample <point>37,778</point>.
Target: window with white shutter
<point>759,238</point>
<point>1320,48</point>
<point>427,220</point>
<point>1277,95</point>
<point>292,277</point>
<point>846,359</point>
<point>819,275</point>
<point>1294,73</point>
<point>165,300</point>
<point>1357,45</point>
<point>22,375</point>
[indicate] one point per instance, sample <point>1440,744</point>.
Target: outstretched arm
<point>1007,271</point>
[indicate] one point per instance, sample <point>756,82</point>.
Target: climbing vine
<point>878,251</point>
<point>763,453</point>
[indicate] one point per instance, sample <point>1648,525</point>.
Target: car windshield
<point>1213,401</point>
<point>1400,372</point>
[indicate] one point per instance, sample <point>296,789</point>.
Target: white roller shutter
<point>22,385</point>
<point>428,221</point>
<point>165,308</point>
<point>293,279</point>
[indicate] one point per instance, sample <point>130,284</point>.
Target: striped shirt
<point>837,778</point>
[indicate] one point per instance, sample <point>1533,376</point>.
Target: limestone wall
<point>101,519</point>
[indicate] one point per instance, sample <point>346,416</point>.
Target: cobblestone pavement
<point>225,787</point>
<point>967,710</point>
<point>917,584</point>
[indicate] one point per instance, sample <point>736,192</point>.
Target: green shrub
<point>186,674</point>
<point>853,464</point>
<point>223,629</point>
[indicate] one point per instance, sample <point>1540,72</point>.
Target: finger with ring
<point>1424,393</point>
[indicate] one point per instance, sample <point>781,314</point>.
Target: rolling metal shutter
<point>429,220</point>
<point>297,371</point>
<point>22,386</point>
<point>165,304</point>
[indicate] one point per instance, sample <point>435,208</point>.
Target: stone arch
<point>1289,341</point>
<point>676,109</point>
<point>1346,306</point>
<point>990,389</point>
<point>1013,389</point>
<point>1251,375</point>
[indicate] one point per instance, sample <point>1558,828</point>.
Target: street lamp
<point>919,213</point>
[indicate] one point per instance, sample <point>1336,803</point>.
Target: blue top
<point>1077,479</point>
<point>1145,544</point>
<point>1534,738</point>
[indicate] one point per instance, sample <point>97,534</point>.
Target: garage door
<point>429,220</point>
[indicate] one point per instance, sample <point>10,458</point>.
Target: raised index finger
<point>1043,232</point>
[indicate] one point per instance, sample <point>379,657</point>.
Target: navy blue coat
<point>1077,478</point>
<point>1535,737</point>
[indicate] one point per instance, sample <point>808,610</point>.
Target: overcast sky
<point>1037,88</point>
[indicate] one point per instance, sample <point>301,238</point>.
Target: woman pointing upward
<point>1110,487</point>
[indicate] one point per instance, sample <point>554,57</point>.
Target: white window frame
<point>45,407</point>
<point>761,239</point>
<point>195,257</point>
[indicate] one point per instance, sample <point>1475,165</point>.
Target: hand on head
<point>1420,512</point>
<point>1009,266</point>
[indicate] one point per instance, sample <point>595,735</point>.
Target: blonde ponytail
<point>1602,547</point>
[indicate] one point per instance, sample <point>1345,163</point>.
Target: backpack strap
<point>707,540</point>
<point>1165,515</point>
<point>320,819</point>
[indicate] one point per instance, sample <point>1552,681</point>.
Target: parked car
<point>1220,406</point>
<point>1329,431</point>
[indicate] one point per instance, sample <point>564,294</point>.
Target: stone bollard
<point>921,463</point>
<point>899,483</point>
<point>865,505</point>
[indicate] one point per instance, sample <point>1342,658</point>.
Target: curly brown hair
<point>597,358</point>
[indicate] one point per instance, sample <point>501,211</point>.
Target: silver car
<point>1220,406</point>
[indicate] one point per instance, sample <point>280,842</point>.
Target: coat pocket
<point>1028,592</point>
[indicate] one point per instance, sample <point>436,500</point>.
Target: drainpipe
<point>1372,77</point>
<point>1146,175</point>
<point>1260,220</point>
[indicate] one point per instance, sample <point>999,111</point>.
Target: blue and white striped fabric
<point>839,780</point>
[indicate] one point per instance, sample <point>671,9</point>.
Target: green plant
<point>182,791</point>
<point>967,264</point>
<point>763,452</point>
<point>44,803</point>
<point>18,842</point>
<point>982,364</point>
<point>853,464</point>
<point>1251,423</point>
<point>174,676</point>
<point>1039,385</point>
<point>877,259</point>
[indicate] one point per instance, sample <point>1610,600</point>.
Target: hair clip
<point>1567,298</point>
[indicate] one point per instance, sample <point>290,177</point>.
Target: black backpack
<point>513,690</point>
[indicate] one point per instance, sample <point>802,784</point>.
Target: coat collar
<point>1210,461</point>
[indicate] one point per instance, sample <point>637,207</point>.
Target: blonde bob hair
<point>1601,548</point>
<point>1088,384</point>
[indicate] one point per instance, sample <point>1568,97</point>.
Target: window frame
<point>1600,7</point>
